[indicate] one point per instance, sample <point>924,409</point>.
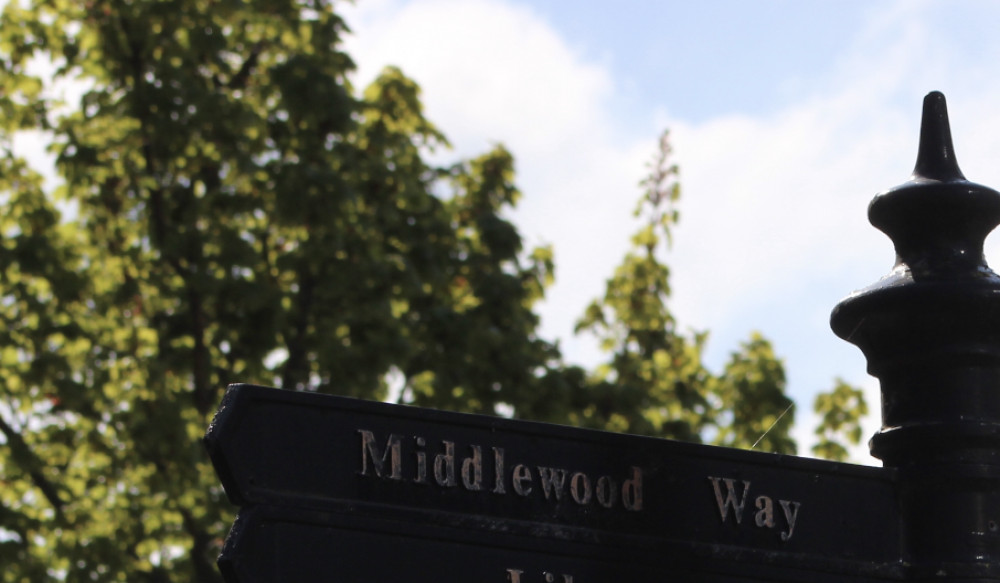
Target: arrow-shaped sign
<point>327,456</point>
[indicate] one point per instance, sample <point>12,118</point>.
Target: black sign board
<point>340,490</point>
<point>349,490</point>
<point>285,544</point>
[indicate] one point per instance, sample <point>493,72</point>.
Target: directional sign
<point>357,478</point>
<point>285,544</point>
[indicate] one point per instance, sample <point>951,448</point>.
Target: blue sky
<point>786,118</point>
<point>707,58</point>
<point>714,57</point>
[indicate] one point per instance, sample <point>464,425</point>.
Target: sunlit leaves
<point>655,382</point>
<point>233,198</point>
<point>840,411</point>
<point>758,413</point>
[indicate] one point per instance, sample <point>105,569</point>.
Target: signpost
<point>348,491</point>
<point>606,503</point>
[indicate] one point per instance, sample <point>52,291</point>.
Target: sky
<point>786,118</point>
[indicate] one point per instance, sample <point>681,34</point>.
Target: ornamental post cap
<point>930,328</point>
<point>937,220</point>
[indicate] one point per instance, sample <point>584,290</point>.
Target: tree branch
<point>296,367</point>
<point>239,80</point>
<point>203,393</point>
<point>29,462</point>
<point>205,571</point>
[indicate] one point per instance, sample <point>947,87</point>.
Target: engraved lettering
<point>552,577</point>
<point>553,481</point>
<point>421,462</point>
<point>498,471</point>
<point>579,488</point>
<point>764,516</point>
<point>514,575</point>
<point>730,499</point>
<point>632,491</point>
<point>765,512</point>
<point>791,510</point>
<point>464,466</point>
<point>392,455</point>
<point>522,475</point>
<point>444,465</point>
<point>472,470</point>
<point>606,491</point>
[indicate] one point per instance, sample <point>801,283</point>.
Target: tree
<point>231,208</point>
<point>236,213</point>
<point>657,369</point>
<point>840,411</point>
<point>653,368</point>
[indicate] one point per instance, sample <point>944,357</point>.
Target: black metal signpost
<point>348,491</point>
<point>467,497</point>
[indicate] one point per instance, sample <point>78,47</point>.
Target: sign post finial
<point>930,331</point>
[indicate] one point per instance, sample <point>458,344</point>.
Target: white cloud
<point>771,204</point>
<point>492,71</point>
<point>495,72</point>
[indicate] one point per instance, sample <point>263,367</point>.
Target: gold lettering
<point>632,490</point>
<point>730,499</point>
<point>606,491</point>
<point>444,465</point>
<point>498,471</point>
<point>421,462</point>
<point>514,575</point>
<point>579,488</point>
<point>765,512</point>
<point>791,510</point>
<point>472,469</point>
<point>522,475</point>
<point>451,469</point>
<point>553,481</point>
<point>370,450</point>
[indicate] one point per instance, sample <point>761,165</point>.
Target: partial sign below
<point>273,544</point>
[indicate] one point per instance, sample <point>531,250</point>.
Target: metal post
<point>930,331</point>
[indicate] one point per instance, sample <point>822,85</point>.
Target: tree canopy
<point>231,208</point>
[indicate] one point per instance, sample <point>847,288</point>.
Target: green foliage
<point>840,412</point>
<point>238,213</point>
<point>655,382</point>
<point>756,411</point>
<point>229,209</point>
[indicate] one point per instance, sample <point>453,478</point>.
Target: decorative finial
<point>930,330</point>
<point>937,219</point>
<point>936,157</point>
